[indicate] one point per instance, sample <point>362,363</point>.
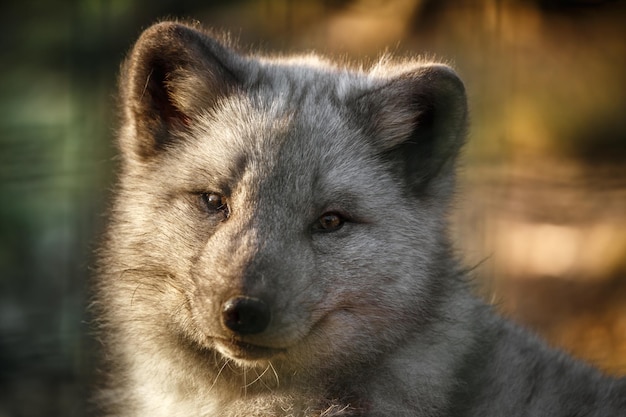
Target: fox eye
<point>215,203</point>
<point>330,222</point>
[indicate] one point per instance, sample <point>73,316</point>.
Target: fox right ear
<point>417,120</point>
<point>173,73</point>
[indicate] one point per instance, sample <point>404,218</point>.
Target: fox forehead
<point>272,139</point>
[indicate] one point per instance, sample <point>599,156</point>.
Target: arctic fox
<point>278,247</point>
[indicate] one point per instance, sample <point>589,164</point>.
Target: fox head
<point>279,210</point>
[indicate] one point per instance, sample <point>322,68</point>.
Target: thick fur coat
<point>278,247</point>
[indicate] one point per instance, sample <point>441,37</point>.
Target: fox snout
<point>244,315</point>
<point>246,334</point>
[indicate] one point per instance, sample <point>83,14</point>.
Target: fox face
<point>281,211</point>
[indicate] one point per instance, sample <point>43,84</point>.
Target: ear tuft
<point>173,73</point>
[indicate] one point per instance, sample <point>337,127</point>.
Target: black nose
<point>245,315</point>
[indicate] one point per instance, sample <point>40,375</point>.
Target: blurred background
<point>542,203</point>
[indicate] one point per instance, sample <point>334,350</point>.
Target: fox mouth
<point>236,349</point>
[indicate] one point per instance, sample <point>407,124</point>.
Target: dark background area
<point>543,187</point>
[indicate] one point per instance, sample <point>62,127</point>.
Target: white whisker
<point>226,361</point>
<point>275,374</point>
<point>258,377</point>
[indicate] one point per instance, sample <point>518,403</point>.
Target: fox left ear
<point>173,74</point>
<point>418,121</point>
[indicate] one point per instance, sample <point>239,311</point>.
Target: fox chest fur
<point>278,247</point>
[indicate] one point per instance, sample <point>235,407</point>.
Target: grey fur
<point>369,317</point>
